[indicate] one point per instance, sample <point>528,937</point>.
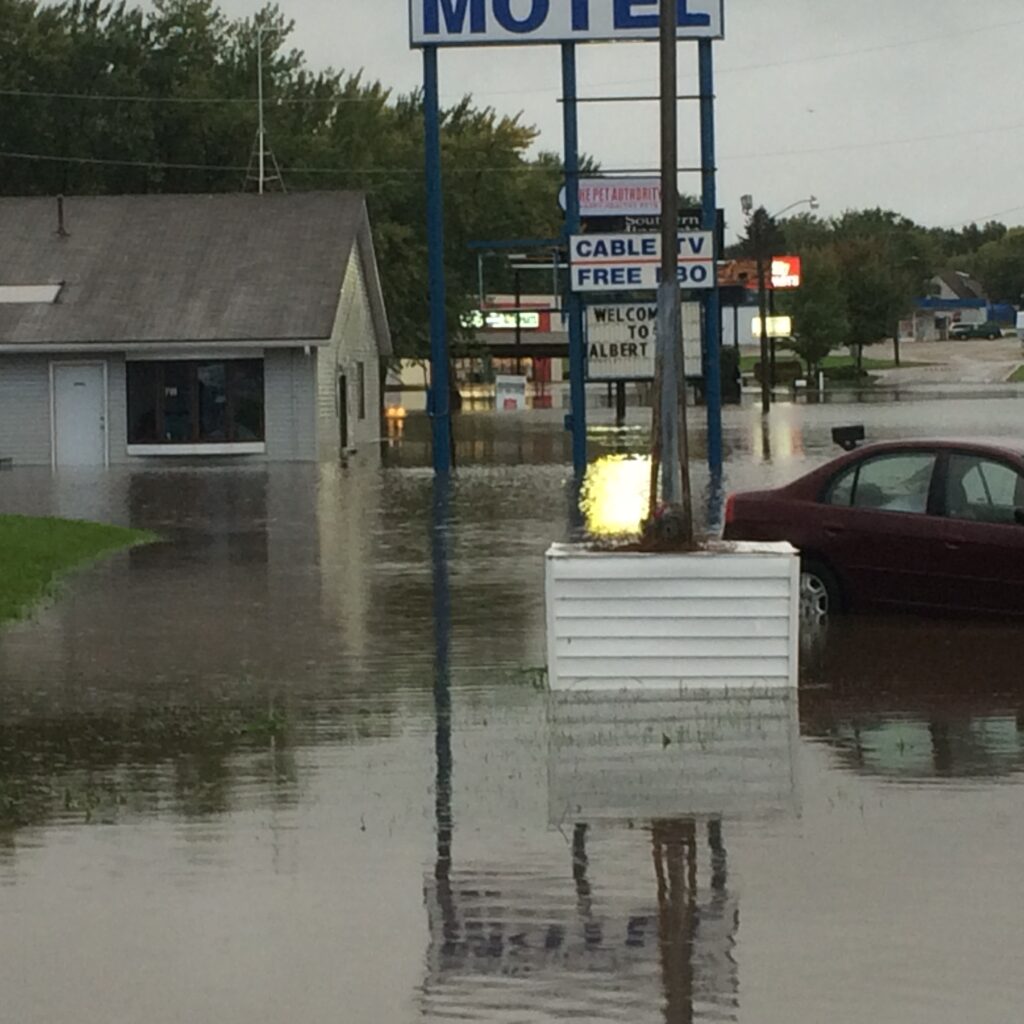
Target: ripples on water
<point>244,778</point>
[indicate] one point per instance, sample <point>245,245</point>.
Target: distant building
<point>170,326</point>
<point>955,297</point>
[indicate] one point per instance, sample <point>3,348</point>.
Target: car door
<point>982,535</point>
<point>878,531</point>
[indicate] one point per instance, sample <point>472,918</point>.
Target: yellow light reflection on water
<point>615,494</point>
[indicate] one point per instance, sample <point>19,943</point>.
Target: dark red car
<point>922,525</point>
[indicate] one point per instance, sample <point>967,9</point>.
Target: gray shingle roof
<point>156,268</point>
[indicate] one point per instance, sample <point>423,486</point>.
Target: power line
<point>878,143</point>
<point>393,172</point>
<point>792,61</point>
<point>195,100</point>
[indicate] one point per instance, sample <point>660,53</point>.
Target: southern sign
<point>515,22</point>
<point>621,341</point>
<point>621,263</point>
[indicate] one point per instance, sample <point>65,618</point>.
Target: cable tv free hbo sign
<point>609,263</point>
<point>508,22</point>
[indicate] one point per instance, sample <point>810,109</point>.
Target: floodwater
<point>297,763</point>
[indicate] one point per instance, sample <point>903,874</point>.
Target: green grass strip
<point>1018,376</point>
<point>35,553</point>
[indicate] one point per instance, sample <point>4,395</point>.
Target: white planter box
<point>721,619</point>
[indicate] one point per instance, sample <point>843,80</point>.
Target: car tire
<point>820,594</point>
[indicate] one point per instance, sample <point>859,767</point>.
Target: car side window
<point>983,491</point>
<point>899,482</point>
<point>841,490</point>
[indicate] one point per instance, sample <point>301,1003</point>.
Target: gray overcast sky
<point>908,104</point>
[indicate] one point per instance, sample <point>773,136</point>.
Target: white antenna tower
<point>260,150</point>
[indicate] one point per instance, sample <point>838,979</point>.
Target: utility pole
<point>670,440</point>
<point>519,323</point>
<point>261,132</point>
<point>257,169</point>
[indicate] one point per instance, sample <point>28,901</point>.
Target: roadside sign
<point>502,320</point>
<point>502,22</point>
<point>609,263</point>
<point>617,197</point>
<point>509,393</point>
<point>621,340</point>
<point>778,327</point>
<point>785,272</point>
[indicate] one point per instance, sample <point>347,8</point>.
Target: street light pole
<point>759,220</point>
<point>762,302</point>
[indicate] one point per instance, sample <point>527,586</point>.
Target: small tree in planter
<point>672,614</point>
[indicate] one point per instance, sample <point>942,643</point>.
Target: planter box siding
<point>723,619</point>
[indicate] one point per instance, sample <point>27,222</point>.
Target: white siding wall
<point>25,424</point>
<point>354,342</point>
<point>25,409</point>
<point>673,622</point>
<point>117,409</point>
<point>289,380</point>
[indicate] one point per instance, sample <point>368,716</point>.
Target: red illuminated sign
<point>785,272</point>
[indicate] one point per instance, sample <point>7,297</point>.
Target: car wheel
<point>820,596</point>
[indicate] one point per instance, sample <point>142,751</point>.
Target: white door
<point>79,415</point>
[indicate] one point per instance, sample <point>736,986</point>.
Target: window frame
<point>936,494</point>
<point>195,441</point>
<point>943,475</point>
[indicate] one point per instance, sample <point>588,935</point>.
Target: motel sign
<point>514,22</point>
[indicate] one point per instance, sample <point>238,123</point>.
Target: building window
<point>361,383</point>
<point>195,402</point>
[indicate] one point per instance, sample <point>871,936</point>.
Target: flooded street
<point>297,762</point>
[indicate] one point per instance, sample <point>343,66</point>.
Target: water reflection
<point>522,940</point>
<point>292,758</point>
<point>909,699</point>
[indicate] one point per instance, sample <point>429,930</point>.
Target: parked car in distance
<point>930,526</point>
<point>989,330</point>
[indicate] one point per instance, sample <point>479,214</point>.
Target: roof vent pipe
<point>61,230</point>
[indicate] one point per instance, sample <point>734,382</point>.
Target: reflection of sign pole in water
<point>442,702</point>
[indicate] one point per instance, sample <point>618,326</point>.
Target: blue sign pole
<point>577,420</point>
<point>439,399</point>
<point>713,299</point>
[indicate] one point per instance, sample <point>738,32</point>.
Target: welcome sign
<point>515,22</point>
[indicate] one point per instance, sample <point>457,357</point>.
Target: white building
<point>189,326</point>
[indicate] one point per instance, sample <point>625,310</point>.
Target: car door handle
<point>834,531</point>
<point>952,546</point>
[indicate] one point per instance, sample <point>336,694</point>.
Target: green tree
<point>819,310</point>
<point>999,266</point>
